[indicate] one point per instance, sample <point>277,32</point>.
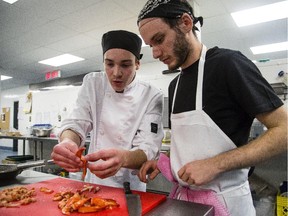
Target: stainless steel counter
<point>37,142</point>
<point>169,207</point>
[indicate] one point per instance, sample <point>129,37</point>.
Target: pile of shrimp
<point>69,202</point>
<point>17,196</point>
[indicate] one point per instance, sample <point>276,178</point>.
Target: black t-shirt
<point>234,92</point>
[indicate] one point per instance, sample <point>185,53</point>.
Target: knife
<point>133,201</point>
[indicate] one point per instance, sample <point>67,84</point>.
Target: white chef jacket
<point>130,120</point>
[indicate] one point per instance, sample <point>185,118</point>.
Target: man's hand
<point>198,172</point>
<point>112,161</point>
<point>64,155</point>
<point>148,168</point>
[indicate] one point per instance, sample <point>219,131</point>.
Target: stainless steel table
<point>37,141</point>
<point>169,207</point>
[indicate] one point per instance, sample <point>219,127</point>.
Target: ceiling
<point>34,30</point>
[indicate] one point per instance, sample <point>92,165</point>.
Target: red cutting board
<point>46,206</point>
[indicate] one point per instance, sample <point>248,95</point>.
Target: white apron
<point>194,136</point>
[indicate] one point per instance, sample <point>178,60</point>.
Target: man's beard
<point>181,50</point>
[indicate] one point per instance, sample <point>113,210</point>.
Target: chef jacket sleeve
<point>80,119</point>
<point>150,132</point>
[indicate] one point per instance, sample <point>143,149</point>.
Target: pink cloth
<point>207,197</point>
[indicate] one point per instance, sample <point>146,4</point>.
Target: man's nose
<point>117,72</point>
<point>156,52</point>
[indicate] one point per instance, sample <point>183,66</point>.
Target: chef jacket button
<point>119,137</point>
<point>102,132</point>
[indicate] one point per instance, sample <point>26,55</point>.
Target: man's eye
<point>159,40</point>
<point>125,66</point>
<point>109,64</point>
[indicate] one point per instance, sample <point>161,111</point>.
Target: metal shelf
<point>280,89</point>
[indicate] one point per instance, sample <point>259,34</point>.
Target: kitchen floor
<point>263,193</point>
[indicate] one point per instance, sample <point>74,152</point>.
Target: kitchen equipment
<point>16,159</point>
<point>19,158</point>
<point>46,206</point>
<point>132,200</point>
<point>282,200</point>
<point>10,171</point>
<point>42,130</point>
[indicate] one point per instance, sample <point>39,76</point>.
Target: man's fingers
<point>105,173</point>
<point>154,174</point>
<point>103,154</point>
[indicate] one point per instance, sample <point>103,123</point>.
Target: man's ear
<point>137,63</point>
<point>187,23</point>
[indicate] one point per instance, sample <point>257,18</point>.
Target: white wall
<point>49,105</point>
<point>271,69</point>
<point>152,73</point>
<point>8,98</point>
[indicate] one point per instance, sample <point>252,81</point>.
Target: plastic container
<point>282,200</point>
<point>282,205</point>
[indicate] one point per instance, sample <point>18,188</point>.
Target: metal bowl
<point>41,132</point>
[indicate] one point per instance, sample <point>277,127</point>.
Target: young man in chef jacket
<point>122,114</point>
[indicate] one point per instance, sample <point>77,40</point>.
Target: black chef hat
<point>167,9</point>
<point>123,40</point>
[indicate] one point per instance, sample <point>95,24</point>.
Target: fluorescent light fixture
<point>5,77</point>
<point>276,47</point>
<point>61,60</point>
<point>10,1</point>
<point>261,14</point>
<point>12,96</point>
<point>57,87</point>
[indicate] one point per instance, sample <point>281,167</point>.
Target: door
<point>15,123</point>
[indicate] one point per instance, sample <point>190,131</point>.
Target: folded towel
<point>207,197</point>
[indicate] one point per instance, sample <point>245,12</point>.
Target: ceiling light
<point>12,96</point>
<point>261,14</point>
<point>57,87</point>
<point>270,48</point>
<point>10,1</point>
<point>5,77</point>
<point>61,60</point>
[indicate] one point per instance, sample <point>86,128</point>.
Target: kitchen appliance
<point>132,200</point>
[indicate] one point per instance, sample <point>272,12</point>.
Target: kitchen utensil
<point>133,201</point>
<point>9,171</point>
<point>42,132</point>
<point>19,158</point>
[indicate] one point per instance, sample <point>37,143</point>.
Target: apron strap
<point>201,63</point>
<point>174,96</point>
<point>199,91</point>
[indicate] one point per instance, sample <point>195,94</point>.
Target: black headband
<point>167,9</point>
<point>123,40</point>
